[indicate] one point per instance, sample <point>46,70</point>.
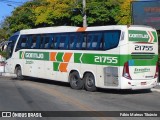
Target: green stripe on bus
<point>142,36</point>
<point>155,36</point>
<point>95,59</point>
<point>59,56</point>
<point>20,55</point>
<point>98,59</point>
<point>112,60</point>
<point>55,66</point>
<point>77,57</point>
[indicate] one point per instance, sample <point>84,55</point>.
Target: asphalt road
<point>44,95</point>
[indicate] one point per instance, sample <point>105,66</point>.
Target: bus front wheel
<point>19,73</point>
<point>89,82</point>
<point>75,81</point>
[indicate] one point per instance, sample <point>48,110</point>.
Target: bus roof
<point>65,29</point>
<point>61,29</point>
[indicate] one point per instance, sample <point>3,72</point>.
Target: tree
<point>40,13</point>
<point>3,35</point>
<point>124,14</point>
<point>53,13</point>
<point>99,12</point>
<point>4,31</point>
<point>23,17</point>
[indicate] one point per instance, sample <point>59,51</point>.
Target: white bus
<point>116,57</point>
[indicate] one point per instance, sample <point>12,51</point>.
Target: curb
<point>155,90</point>
<point>8,75</point>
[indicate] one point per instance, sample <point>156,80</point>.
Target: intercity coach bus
<point>116,57</point>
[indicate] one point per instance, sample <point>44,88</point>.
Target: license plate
<point>143,83</point>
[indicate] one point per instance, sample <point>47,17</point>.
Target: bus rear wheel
<point>89,82</point>
<point>75,81</point>
<point>19,73</point>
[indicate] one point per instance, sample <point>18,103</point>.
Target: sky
<point>7,6</point>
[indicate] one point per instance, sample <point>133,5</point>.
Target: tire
<point>19,73</point>
<point>75,81</point>
<point>89,82</point>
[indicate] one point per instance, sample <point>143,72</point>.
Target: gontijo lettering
<point>138,36</point>
<point>34,55</point>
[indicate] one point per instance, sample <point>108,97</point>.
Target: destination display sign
<point>146,13</point>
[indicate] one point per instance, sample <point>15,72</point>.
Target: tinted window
<point>97,40</point>
<point>10,46</point>
<point>34,41</point>
<point>94,41</point>
<point>22,43</point>
<point>77,41</point>
<point>111,39</point>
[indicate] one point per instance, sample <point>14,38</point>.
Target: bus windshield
<point>10,46</point>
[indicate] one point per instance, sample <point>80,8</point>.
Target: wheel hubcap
<point>18,73</point>
<point>75,80</point>
<point>90,82</point>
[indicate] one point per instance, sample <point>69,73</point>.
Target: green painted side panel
<point>59,56</point>
<point>155,36</point>
<point>34,55</point>
<point>113,60</point>
<point>95,59</point>
<point>142,36</point>
<point>138,62</point>
<point>55,66</point>
<point>77,57</point>
<point>100,59</point>
<point>20,55</point>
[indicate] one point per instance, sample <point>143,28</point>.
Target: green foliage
<point>3,35</point>
<point>53,13</point>
<point>22,17</point>
<point>4,31</point>
<point>40,13</point>
<point>124,16</point>
<point>3,54</point>
<point>99,12</point>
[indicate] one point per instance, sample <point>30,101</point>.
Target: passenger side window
<point>77,41</point>
<point>39,41</point>
<point>61,42</point>
<point>45,41</point>
<point>22,43</point>
<point>72,42</point>
<point>94,41</point>
<point>64,42</point>
<point>111,39</point>
<point>90,40</point>
<point>34,40</point>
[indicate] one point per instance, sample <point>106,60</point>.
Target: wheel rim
<point>90,81</point>
<point>74,80</point>
<point>18,73</point>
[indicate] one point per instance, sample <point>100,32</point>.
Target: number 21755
<point>105,59</point>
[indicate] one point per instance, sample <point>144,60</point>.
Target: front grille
<point>142,55</point>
